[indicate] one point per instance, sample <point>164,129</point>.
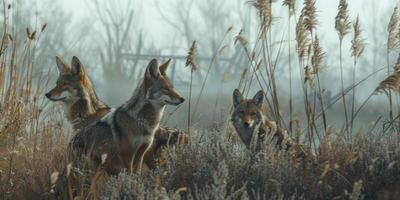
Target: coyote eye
<point>253,114</point>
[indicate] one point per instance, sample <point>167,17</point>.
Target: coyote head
<point>159,89</point>
<point>247,115</point>
<point>72,83</point>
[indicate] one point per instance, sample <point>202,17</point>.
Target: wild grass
<point>215,164</point>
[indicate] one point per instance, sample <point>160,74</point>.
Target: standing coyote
<point>121,138</point>
<point>82,106</point>
<point>249,119</point>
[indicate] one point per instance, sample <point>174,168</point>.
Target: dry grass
<point>214,164</point>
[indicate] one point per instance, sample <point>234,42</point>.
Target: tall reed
<point>392,43</point>
<point>357,48</point>
<point>191,63</point>
<point>291,5</point>
<point>342,26</point>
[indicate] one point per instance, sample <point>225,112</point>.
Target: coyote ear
<point>152,71</point>
<point>259,98</point>
<point>76,66</point>
<point>237,97</point>
<point>164,67</point>
<point>62,67</point>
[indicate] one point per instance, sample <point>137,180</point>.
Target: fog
<point>115,50</point>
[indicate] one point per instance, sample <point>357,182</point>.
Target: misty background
<point>116,39</point>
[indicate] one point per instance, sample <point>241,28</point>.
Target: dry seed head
<point>32,36</point>
<point>43,28</point>
<point>393,30</point>
<point>318,55</point>
<point>391,83</point>
<point>222,49</point>
<point>229,29</point>
<point>191,57</point>
<point>357,44</point>
<point>291,4</point>
<point>264,8</point>
<point>240,38</point>
<point>301,38</point>
<point>310,16</point>
<point>342,24</point>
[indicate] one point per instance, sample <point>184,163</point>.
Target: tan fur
<point>128,132</point>
<point>82,107</point>
<point>87,110</point>
<point>164,137</point>
<point>248,119</point>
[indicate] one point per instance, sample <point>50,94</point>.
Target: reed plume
<point>342,24</point>
<point>264,8</point>
<point>391,83</point>
<point>310,16</point>
<point>191,57</point>
<point>393,30</point>
<point>301,38</point>
<point>357,48</point>
<point>291,4</point>
<point>357,44</point>
<point>318,55</point>
<point>239,38</point>
<point>392,43</point>
<point>316,62</point>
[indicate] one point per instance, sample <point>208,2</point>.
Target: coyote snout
<point>58,94</point>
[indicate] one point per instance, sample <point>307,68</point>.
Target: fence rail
<point>175,57</point>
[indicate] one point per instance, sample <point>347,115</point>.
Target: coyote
<point>82,106</point>
<point>75,90</point>
<point>121,138</point>
<point>248,118</point>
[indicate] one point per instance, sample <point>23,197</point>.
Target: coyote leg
<point>137,161</point>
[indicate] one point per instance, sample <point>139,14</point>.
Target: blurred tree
<point>115,35</point>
